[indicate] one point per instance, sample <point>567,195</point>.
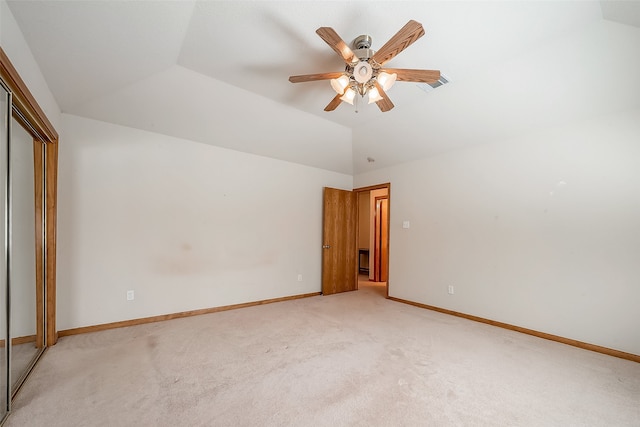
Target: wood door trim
<point>51,221</point>
<point>378,247</point>
<point>377,233</point>
<point>563,340</point>
<point>386,185</point>
<point>24,100</point>
<point>35,121</point>
<point>373,187</point>
<point>38,156</point>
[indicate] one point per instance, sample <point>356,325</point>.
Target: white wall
<point>19,53</point>
<point>186,225</point>
<point>542,231</point>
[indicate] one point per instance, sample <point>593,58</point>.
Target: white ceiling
<point>216,71</point>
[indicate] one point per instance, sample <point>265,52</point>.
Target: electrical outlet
<point>451,290</point>
<point>299,277</point>
<point>130,296</point>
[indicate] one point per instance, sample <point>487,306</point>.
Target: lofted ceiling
<point>217,71</point>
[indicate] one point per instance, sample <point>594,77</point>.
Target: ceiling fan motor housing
<point>363,41</point>
<point>361,46</point>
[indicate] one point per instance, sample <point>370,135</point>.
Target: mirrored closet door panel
<point>27,337</point>
<point>5,115</point>
<point>28,195</point>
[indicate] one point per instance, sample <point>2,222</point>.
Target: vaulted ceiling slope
<point>216,71</point>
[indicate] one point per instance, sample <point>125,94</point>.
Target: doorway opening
<point>355,238</point>
<point>373,235</point>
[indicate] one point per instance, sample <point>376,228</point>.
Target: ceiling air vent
<point>428,87</point>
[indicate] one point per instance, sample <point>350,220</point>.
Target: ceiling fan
<point>363,74</point>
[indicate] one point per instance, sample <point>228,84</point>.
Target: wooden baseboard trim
<point>23,340</point>
<point>141,321</point>
<point>568,341</point>
<point>19,340</point>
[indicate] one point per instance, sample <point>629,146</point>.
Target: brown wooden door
<point>339,251</point>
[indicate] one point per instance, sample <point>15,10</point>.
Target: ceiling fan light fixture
<point>340,84</point>
<point>374,95</point>
<point>362,72</point>
<point>387,80</point>
<point>348,96</point>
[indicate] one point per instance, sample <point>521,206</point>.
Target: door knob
<point>326,246</point>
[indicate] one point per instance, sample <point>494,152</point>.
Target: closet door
<point>26,300</point>
<point>28,205</point>
<point>5,117</point>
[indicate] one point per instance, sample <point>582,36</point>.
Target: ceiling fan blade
<point>385,103</point>
<point>421,76</point>
<point>408,34</point>
<point>313,77</point>
<point>332,38</point>
<point>334,103</point>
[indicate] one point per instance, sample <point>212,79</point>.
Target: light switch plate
<point>405,224</point>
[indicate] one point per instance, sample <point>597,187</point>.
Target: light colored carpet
<point>353,359</point>
<point>22,357</point>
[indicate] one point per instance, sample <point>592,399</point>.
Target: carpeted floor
<point>22,357</point>
<point>353,359</point>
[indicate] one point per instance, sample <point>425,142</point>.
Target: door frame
<point>379,238</point>
<point>27,113</point>
<point>386,185</point>
<point>30,115</point>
